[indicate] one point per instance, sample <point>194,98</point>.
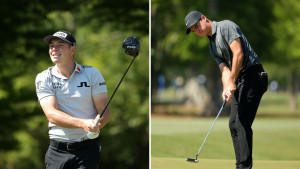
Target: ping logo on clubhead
<point>131,47</point>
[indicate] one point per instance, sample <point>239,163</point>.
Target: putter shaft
<point>212,127</point>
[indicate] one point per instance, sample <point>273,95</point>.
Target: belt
<point>254,68</point>
<point>73,145</point>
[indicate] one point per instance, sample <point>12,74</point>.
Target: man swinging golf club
<point>243,77</point>
<point>71,96</point>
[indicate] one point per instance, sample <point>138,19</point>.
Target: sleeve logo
<point>102,83</point>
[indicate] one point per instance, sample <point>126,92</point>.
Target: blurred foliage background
<point>185,77</point>
<point>100,27</point>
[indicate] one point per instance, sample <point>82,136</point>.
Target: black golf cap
<point>63,35</point>
<point>190,20</point>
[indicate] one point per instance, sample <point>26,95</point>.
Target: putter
<point>131,46</point>
<point>195,159</point>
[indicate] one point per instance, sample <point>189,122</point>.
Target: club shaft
<point>104,109</point>
<point>211,127</point>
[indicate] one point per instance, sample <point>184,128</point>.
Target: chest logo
<point>83,84</point>
<point>56,85</point>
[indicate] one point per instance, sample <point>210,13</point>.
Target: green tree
<point>285,28</point>
<point>175,53</point>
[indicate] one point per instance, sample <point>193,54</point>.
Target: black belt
<point>254,68</point>
<point>73,145</point>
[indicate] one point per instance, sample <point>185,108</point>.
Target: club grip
<point>92,135</point>
<point>225,101</point>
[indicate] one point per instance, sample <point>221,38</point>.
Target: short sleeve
<point>229,31</point>
<point>216,58</point>
<point>43,86</point>
<point>98,82</point>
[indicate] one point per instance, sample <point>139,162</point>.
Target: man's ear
<point>203,17</point>
<point>73,48</point>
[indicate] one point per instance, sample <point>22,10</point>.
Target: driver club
<point>131,46</point>
<point>195,159</point>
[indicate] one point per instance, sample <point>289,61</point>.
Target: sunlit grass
<point>180,163</point>
<point>276,142</point>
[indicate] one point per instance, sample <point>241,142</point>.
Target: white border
<point>149,84</point>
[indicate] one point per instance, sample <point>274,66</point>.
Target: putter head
<point>131,46</point>
<point>192,160</point>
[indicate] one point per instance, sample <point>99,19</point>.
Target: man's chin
<point>201,35</point>
<point>55,61</point>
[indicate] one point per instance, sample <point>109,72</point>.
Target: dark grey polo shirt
<point>223,33</point>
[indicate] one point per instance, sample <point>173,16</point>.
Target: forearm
<point>225,76</point>
<point>100,101</point>
<point>236,66</point>
<point>63,119</point>
<point>225,79</point>
<point>60,118</point>
<point>237,60</point>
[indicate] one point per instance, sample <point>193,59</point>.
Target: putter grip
<point>92,135</point>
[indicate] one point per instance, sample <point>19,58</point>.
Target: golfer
<point>71,96</point>
<point>243,77</point>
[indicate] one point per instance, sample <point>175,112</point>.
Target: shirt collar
<point>214,28</point>
<point>78,68</point>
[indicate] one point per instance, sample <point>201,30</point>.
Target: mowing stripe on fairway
<point>181,163</point>
<point>274,139</point>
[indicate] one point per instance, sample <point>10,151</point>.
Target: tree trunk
<point>214,88</point>
<point>293,89</point>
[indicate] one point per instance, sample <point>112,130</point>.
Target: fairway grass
<point>180,163</point>
<point>173,139</point>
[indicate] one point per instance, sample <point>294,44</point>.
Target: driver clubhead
<point>131,46</point>
<point>192,160</point>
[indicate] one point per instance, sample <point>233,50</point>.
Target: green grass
<point>276,143</point>
<point>277,104</point>
<point>180,163</point>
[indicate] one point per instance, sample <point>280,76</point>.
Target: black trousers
<point>83,156</point>
<point>250,88</point>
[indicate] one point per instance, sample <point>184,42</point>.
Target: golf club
<point>131,46</point>
<point>195,160</point>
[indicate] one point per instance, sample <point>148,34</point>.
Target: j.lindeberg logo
<point>83,84</point>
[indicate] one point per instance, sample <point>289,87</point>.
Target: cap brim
<point>48,39</point>
<point>187,31</point>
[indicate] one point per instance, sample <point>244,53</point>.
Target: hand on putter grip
<point>225,96</point>
<point>229,91</point>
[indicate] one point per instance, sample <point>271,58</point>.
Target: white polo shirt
<point>73,95</point>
